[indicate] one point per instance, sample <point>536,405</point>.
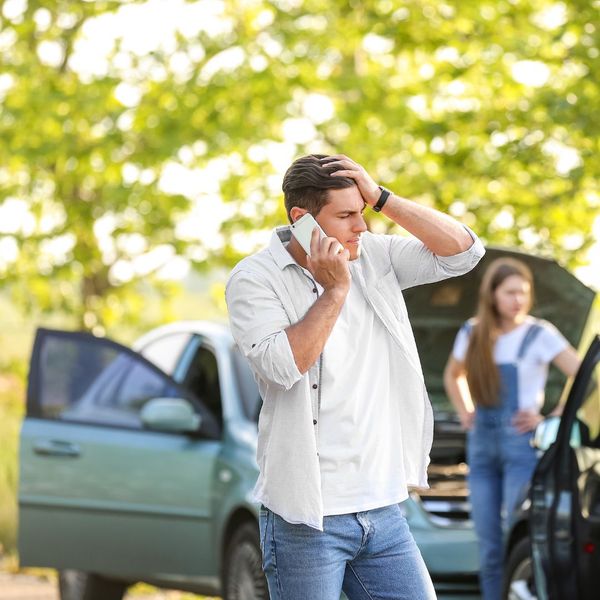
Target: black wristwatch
<point>385,194</point>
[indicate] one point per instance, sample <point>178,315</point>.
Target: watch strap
<point>385,194</point>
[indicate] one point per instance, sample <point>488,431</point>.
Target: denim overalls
<point>501,461</point>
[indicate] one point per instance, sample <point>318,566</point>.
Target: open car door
<point>102,489</point>
<point>565,494</point>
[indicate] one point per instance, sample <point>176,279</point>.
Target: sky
<point>163,20</point>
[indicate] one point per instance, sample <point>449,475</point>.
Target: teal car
<point>138,465</point>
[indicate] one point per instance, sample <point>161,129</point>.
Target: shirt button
<point>314,421</point>
<point>315,386</point>
<point>314,290</point>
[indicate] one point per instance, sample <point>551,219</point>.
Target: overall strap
<point>467,327</point>
<point>533,331</point>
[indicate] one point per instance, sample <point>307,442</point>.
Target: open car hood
<point>438,310</point>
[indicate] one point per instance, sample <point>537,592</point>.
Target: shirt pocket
<point>389,288</point>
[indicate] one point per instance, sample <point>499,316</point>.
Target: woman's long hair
<point>482,374</point>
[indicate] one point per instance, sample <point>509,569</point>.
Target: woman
<point>495,379</point>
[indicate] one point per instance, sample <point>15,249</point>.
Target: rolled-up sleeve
<point>258,321</point>
<point>414,264</point>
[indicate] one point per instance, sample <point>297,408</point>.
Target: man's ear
<point>296,212</point>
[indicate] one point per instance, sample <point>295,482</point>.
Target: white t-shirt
<point>360,451</point>
<point>532,369</point>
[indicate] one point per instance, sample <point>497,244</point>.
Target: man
<point>346,425</point>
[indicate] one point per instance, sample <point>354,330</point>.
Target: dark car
<point>553,550</point>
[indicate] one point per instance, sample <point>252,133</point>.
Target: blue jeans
<point>501,461</point>
<point>371,555</point>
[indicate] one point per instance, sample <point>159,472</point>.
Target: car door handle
<point>56,448</point>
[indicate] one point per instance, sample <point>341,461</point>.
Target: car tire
<point>243,577</point>
<point>518,578</point>
<point>77,585</point>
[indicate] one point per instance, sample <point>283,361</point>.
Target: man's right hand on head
<point>329,263</point>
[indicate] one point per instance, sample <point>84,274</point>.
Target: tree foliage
<point>486,110</point>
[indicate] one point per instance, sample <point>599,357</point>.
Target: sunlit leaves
<point>177,130</point>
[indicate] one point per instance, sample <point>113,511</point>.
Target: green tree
<point>483,109</point>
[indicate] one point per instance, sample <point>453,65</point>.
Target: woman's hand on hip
<point>526,420</point>
<point>467,419</point>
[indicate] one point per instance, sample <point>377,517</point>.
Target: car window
<point>131,384</point>
<point>166,350</point>
<point>202,377</point>
<point>588,415</point>
<point>250,396</point>
<point>83,379</point>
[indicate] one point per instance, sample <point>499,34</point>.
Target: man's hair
<point>306,184</point>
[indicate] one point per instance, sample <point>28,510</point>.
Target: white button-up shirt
<point>266,293</point>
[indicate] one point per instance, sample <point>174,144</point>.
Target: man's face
<point>342,218</point>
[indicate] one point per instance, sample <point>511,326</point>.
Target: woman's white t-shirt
<point>532,368</point>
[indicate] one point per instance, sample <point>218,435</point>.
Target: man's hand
<point>328,262</point>
<point>526,420</point>
<point>439,232</point>
<point>346,167</point>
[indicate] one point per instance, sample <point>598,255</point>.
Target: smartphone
<point>302,230</point>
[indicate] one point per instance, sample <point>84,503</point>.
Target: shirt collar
<point>277,247</point>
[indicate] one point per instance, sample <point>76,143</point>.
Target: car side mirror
<point>546,432</point>
<point>170,414</point>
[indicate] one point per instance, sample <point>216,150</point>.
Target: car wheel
<point>243,575</point>
<point>518,579</point>
<point>77,585</point>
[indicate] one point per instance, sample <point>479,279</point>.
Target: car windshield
<point>250,396</point>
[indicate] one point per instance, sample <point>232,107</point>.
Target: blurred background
<point>143,144</point>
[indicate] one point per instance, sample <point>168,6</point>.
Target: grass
<point>143,589</point>
<point>12,394</point>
